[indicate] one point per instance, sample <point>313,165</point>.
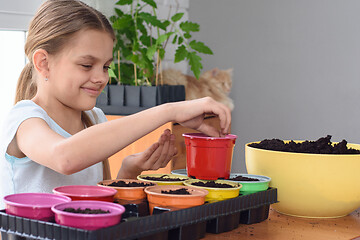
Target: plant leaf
<point>180,54</point>
<point>151,51</point>
<point>141,28</point>
<point>124,2</point>
<point>174,40</point>
<point>177,17</point>
<point>163,37</point>
<point>161,53</point>
<point>145,40</point>
<point>111,73</point>
<point>200,47</point>
<point>180,40</point>
<point>166,23</point>
<point>189,26</point>
<point>119,12</point>
<point>122,23</point>
<point>147,17</point>
<point>135,59</point>
<point>150,2</point>
<point>187,35</point>
<point>195,63</point>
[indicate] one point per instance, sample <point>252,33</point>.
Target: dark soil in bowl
<point>244,179</point>
<point>121,183</point>
<point>86,211</point>
<point>180,191</point>
<point>321,146</point>
<point>163,178</point>
<point>212,184</point>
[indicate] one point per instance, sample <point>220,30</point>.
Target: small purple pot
<point>33,205</point>
<point>88,221</point>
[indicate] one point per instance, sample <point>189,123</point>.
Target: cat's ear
<point>230,71</point>
<point>215,72</point>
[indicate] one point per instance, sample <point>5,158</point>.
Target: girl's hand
<point>191,114</point>
<point>156,156</point>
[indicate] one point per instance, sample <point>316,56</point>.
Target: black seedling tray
<point>190,223</point>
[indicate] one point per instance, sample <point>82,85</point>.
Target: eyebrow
<point>90,57</point>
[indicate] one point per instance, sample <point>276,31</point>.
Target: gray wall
<point>296,66</point>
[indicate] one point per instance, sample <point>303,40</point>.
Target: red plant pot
<point>209,158</point>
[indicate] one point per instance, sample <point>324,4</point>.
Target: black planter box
<point>126,99</point>
<point>186,224</point>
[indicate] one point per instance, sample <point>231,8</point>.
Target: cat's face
<point>221,79</point>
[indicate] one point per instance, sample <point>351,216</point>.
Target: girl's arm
<point>69,155</point>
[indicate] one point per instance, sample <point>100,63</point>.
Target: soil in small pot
<point>121,183</point>
<point>86,211</point>
<point>163,178</point>
<point>321,146</point>
<point>244,179</point>
<point>180,191</point>
<point>212,184</point>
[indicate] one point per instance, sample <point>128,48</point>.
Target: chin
<point>85,106</point>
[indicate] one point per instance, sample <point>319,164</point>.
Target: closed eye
<point>86,66</point>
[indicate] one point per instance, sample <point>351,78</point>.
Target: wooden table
<point>283,227</point>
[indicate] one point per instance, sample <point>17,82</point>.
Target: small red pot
<point>209,158</point>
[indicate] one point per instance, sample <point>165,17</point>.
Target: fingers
<point>224,115</point>
<point>209,130</point>
<point>154,161</point>
<point>171,151</point>
<point>225,120</point>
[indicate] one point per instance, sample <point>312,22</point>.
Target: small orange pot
<point>174,201</point>
<point>127,195</point>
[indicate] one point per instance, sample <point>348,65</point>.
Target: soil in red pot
<point>180,191</point>
<point>321,146</point>
<point>212,184</point>
<point>86,211</point>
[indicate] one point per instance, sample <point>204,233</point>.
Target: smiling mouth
<point>94,92</point>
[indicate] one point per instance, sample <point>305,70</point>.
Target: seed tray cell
<point>190,223</point>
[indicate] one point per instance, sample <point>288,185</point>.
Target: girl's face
<point>79,73</point>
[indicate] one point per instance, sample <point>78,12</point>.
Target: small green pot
<point>251,186</point>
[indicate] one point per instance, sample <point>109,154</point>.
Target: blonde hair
<point>55,22</point>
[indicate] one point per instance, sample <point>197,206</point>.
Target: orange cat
<point>215,83</point>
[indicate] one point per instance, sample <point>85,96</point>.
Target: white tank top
<point>18,175</point>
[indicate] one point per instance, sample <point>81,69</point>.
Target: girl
<point>54,135</point>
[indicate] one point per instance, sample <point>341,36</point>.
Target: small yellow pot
<point>217,194</point>
<point>168,176</point>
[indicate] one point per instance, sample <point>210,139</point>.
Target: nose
<point>100,76</point>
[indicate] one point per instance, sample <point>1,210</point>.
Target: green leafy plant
<point>141,40</point>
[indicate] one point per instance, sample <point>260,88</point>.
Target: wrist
<point>127,174</point>
<point>169,111</point>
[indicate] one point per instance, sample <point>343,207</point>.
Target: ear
<point>230,71</point>
<point>215,72</point>
<point>40,61</point>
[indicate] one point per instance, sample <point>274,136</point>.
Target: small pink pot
<point>86,192</point>
<point>33,205</point>
<point>88,221</point>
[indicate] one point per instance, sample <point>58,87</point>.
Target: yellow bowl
<point>157,175</point>
<point>310,185</point>
<point>217,194</point>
